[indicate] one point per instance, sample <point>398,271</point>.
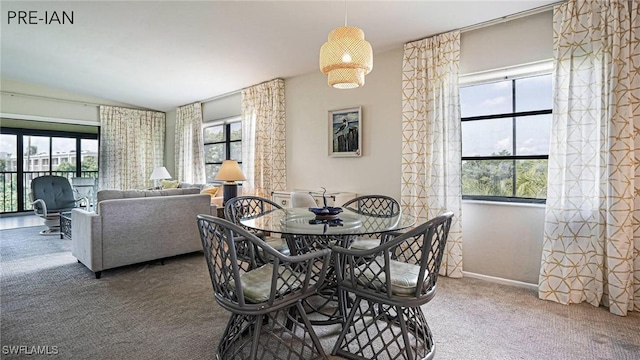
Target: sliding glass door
<point>26,154</point>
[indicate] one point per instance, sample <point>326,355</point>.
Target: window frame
<point>21,173</point>
<point>512,74</point>
<point>226,122</point>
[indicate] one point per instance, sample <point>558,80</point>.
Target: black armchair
<point>394,279</point>
<point>51,195</point>
<point>264,300</point>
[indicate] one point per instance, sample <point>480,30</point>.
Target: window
<point>222,141</point>
<point>35,152</point>
<point>506,127</point>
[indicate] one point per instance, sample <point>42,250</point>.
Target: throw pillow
<point>211,191</point>
<point>169,184</point>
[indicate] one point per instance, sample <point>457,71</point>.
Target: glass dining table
<point>305,232</point>
<point>347,224</point>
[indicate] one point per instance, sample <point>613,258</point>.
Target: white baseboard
<point>501,280</point>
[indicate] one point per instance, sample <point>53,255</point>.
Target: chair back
<point>384,272</point>
<point>302,199</point>
<point>240,284</point>
<point>241,207</point>
<point>55,191</point>
<point>374,205</point>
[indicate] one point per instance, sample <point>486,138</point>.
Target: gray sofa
<point>133,226</point>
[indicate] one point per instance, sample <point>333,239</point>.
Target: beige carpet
<point>152,311</point>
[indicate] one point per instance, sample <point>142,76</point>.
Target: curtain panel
<point>189,144</point>
<point>131,146</point>
<point>592,218</point>
<point>431,137</point>
<point>263,137</point>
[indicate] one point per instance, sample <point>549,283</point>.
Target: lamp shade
<point>346,57</point>
<point>230,171</point>
<point>160,173</point>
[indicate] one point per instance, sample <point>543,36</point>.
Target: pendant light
<point>346,57</point>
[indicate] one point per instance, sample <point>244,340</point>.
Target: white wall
<point>515,42</point>
<point>222,107</point>
<point>308,100</point>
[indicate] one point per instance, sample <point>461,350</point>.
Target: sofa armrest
<point>86,238</point>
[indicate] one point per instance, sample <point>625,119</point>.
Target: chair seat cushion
<point>279,244</point>
<point>365,243</point>
<point>256,284</point>
<point>404,276</point>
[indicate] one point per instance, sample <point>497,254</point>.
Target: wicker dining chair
<point>397,278</point>
<point>267,320</point>
<point>378,208</point>
<point>241,207</point>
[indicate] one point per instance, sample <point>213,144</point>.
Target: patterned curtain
<point>263,138</point>
<point>431,137</point>
<point>189,146</point>
<point>131,146</point>
<point>592,219</point>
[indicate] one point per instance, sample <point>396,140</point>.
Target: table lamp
<point>230,172</point>
<point>159,173</point>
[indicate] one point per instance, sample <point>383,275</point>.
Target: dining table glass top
<point>301,221</point>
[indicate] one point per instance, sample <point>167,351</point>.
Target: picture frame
<point>345,132</point>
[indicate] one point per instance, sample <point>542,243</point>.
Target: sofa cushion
<point>122,194</point>
<point>178,191</point>
<point>133,193</point>
<point>184,185</point>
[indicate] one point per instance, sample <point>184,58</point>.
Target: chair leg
<point>346,329</point>
<point>405,334</point>
<point>256,337</point>
<point>53,226</point>
<point>52,231</point>
<point>231,343</point>
<point>312,334</point>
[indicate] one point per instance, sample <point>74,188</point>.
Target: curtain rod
<point>76,102</point>
<point>499,20</point>
<point>85,103</point>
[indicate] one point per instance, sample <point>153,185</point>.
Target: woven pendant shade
<point>346,58</point>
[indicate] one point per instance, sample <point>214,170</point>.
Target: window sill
<point>504,203</point>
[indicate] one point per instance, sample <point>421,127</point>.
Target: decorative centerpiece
<point>326,212</point>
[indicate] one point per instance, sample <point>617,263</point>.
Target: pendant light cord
<point>345,12</point>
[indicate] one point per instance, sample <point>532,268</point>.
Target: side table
<point>65,225</point>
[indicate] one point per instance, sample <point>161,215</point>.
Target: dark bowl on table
<point>328,212</point>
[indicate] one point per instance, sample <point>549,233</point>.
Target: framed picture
<point>345,132</point>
